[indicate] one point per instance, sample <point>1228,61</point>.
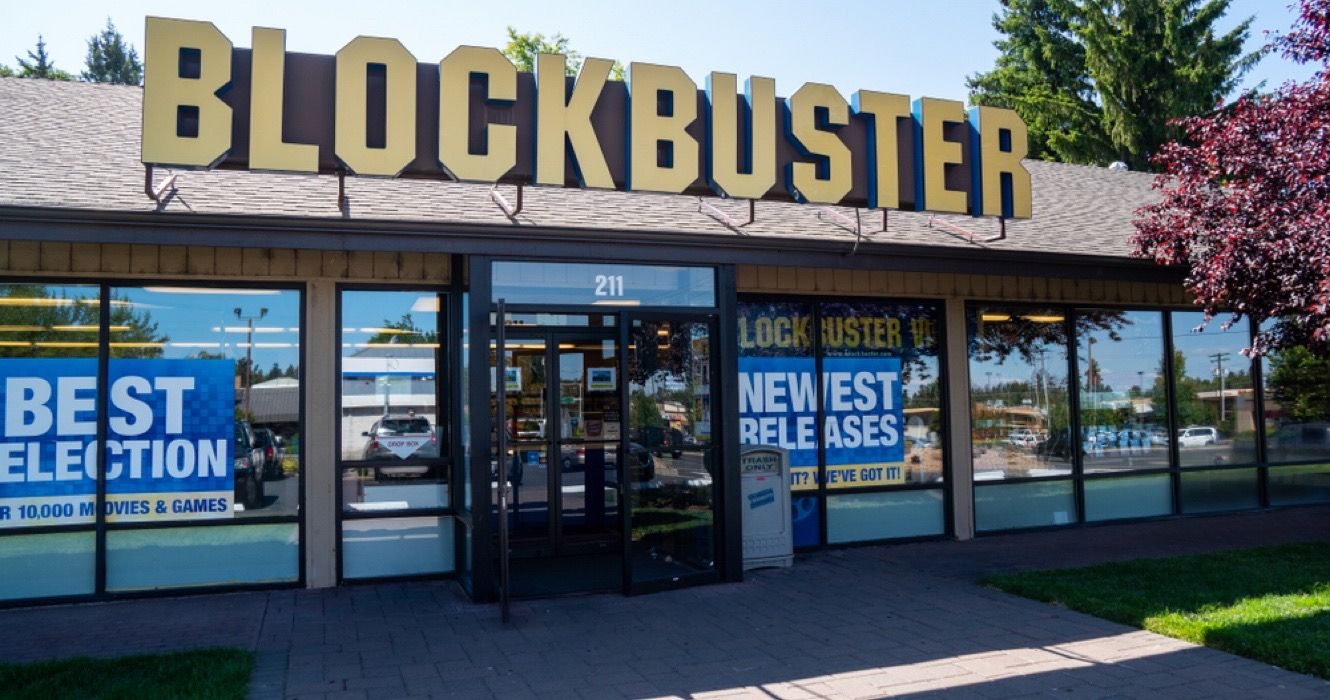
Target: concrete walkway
<point>904,621</point>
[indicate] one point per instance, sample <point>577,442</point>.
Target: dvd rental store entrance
<point>230,359</point>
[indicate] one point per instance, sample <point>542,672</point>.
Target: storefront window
<point>205,404</point>
<point>883,394</point>
<point>48,364</point>
<point>1024,505</point>
<point>671,463</point>
<point>881,400</point>
<point>204,426</point>
<point>1297,407</point>
<point>394,446</point>
<point>1213,389</point>
<point>1123,392</point>
<point>1124,497</point>
<point>1020,412</point>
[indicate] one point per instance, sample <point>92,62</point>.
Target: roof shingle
<point>76,145</point>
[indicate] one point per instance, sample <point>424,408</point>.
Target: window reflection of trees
<point>1021,424</point>
<point>41,321</point>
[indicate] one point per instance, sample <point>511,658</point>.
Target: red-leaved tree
<point>1246,202</point>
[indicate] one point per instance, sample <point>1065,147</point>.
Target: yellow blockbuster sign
<point>373,109</point>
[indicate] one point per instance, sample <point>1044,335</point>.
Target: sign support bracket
<point>508,209</point>
<point>159,192</point>
<point>725,219</point>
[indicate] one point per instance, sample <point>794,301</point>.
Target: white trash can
<point>764,484</point>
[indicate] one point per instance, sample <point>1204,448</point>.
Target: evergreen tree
<point>1040,73</point>
<point>1099,80</point>
<point>111,60</point>
<point>40,65</point>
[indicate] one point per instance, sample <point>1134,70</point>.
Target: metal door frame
<point>711,318</point>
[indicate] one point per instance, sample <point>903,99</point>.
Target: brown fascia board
<point>571,243</point>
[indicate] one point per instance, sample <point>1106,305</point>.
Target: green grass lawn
<point>211,674</point>
<point>1271,604</point>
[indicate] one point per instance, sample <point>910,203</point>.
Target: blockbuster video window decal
<point>373,110</point>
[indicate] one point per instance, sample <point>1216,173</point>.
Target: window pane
<point>138,560</point>
<point>1128,497</point>
<point>48,373</point>
<point>1216,490</point>
<point>1302,484</point>
<point>390,420</point>
<point>205,403</point>
<point>44,566</point>
<point>1297,406</point>
<point>1215,399</point>
<point>1020,415</point>
<point>396,547</point>
<point>1123,394</point>
<point>882,394</point>
<point>673,513</point>
<point>877,516</point>
<point>1032,504</point>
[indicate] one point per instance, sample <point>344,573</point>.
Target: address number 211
<point>609,285</point>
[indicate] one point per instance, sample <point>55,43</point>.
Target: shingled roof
<point>71,145</point>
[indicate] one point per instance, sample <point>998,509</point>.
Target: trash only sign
<point>170,438</point>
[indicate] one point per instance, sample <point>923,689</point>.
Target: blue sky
<point>916,48</point>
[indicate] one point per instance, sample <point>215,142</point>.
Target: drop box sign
<point>168,453</point>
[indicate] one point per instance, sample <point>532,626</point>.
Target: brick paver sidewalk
<point>906,621</point>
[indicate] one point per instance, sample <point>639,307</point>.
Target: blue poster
<point>864,430</point>
<point>778,407</point>
<point>169,442</point>
<point>864,418</point>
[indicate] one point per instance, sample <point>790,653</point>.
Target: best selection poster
<point>169,443</point>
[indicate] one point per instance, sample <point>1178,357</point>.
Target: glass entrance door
<point>671,419</point>
<point>587,440</point>
<point>564,420</point>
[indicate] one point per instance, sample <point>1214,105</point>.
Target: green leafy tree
<point>643,411</point>
<point>522,48</point>
<point>111,60</point>
<point>1189,409</point>
<point>1300,384</point>
<point>40,65</point>
<point>1099,80</point>
<point>6,71</point>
